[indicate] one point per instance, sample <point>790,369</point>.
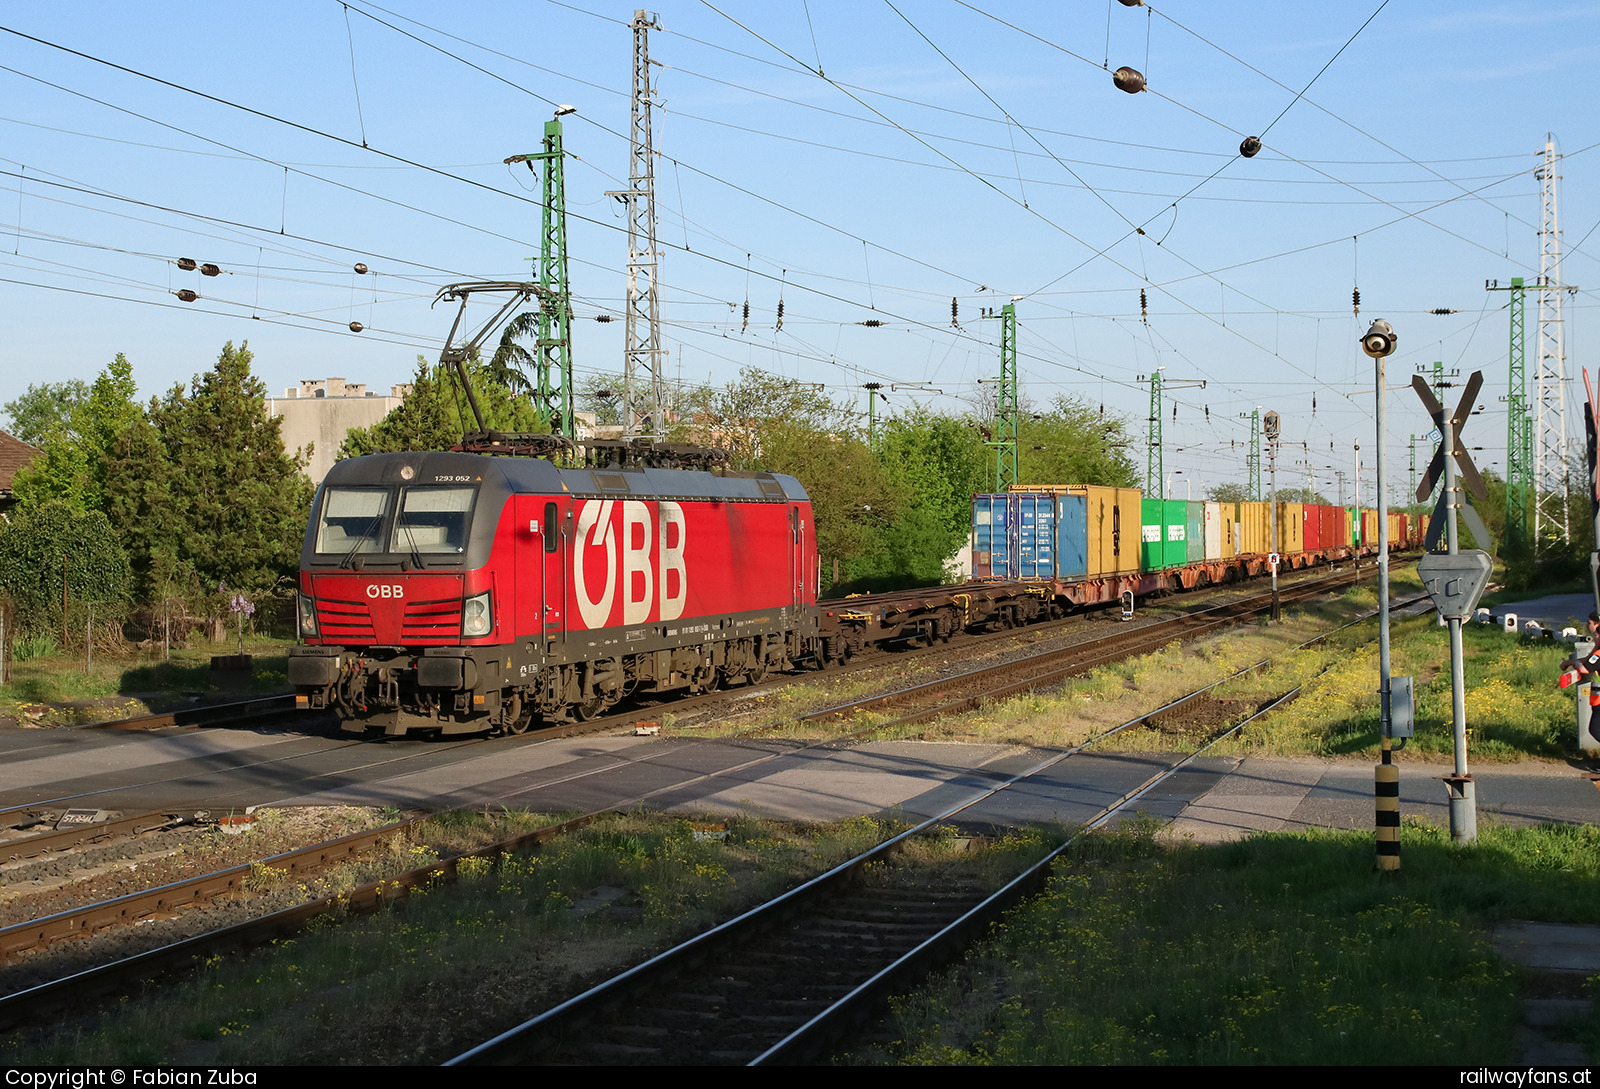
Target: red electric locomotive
<point>458,592</point>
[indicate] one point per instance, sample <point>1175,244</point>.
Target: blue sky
<point>976,152</point>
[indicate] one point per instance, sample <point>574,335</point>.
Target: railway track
<point>785,981</point>
<point>91,918</point>
<point>967,691</point>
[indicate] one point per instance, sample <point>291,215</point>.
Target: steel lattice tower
<point>1519,430</point>
<point>643,388</point>
<point>1005,455</point>
<point>1550,427</point>
<point>554,393</point>
<point>1153,466</point>
<point>1253,461</point>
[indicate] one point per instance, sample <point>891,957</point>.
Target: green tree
<point>140,506</point>
<point>45,407</point>
<point>511,363</point>
<point>1073,443</point>
<point>52,542</point>
<point>73,468</point>
<point>936,463</point>
<point>770,423</point>
<point>1306,495</point>
<point>1231,492</point>
<point>435,414</point>
<point>600,393</point>
<point>236,502</point>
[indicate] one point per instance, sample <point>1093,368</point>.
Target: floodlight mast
<point>456,355</point>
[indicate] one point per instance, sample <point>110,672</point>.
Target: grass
<point>134,682</point>
<point>1515,709</point>
<point>1280,949</point>
<point>454,965</point>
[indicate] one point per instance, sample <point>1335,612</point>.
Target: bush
<point>52,541</point>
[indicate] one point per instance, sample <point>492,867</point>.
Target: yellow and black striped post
<point>1386,796</point>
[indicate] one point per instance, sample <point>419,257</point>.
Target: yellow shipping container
<point>1114,516</point>
<point>1230,530</point>
<point>1291,527</point>
<point>1253,534</point>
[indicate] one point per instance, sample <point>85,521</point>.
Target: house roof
<point>14,454</point>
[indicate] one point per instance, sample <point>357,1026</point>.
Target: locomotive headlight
<point>476,616</point>
<point>308,615</point>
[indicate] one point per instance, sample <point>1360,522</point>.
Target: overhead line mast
<point>1521,497</point>
<point>553,353</point>
<point>643,385</point>
<point>1550,428</point>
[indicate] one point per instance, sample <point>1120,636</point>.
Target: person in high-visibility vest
<point>1586,668</point>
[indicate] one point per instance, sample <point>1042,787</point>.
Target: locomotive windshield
<point>432,520</point>
<point>420,521</point>
<point>352,520</point>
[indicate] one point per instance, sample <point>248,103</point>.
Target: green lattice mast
<point>553,395</point>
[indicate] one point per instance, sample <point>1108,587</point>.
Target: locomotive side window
<point>552,532</point>
<point>352,520</point>
<point>432,520</point>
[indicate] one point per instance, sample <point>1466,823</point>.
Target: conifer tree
<point>235,499</point>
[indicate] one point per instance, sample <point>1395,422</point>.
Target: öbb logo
<point>648,563</point>
<point>385,590</point>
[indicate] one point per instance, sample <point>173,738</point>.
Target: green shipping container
<point>1164,533</point>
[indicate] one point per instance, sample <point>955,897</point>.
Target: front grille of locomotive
<point>345,621</point>
<point>431,620</point>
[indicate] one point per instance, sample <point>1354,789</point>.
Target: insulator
<point>1313,404</point>
<point>188,264</point>
<point>603,318</point>
<point>1208,414</point>
<point>746,316</point>
<point>186,295</point>
<point>1128,79</point>
<point>870,323</point>
<point>1355,300</point>
<point>1249,146</point>
<point>210,270</point>
<point>954,312</point>
<point>1143,304</point>
<point>1132,3</point>
<point>1443,310</point>
<point>356,327</point>
<point>1174,410</point>
<point>360,268</point>
<point>780,313</point>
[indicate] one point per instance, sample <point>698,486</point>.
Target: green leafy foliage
<point>238,500</point>
<point>45,407</point>
<point>1074,443</point>
<point>936,463</point>
<point>76,451</point>
<point>435,414</point>
<point>53,540</point>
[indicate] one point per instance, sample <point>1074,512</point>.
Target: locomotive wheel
<point>585,710</point>
<point>519,725</point>
<point>756,673</point>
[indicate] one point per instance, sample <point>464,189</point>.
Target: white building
<point>320,411</point>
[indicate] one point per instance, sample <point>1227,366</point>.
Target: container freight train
<point>456,592</point>
<point>1093,544</point>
